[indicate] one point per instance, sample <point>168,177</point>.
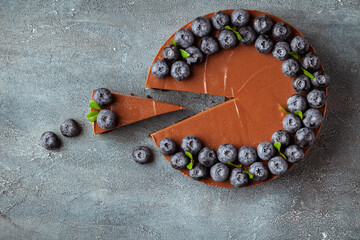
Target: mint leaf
<point>191,163</point>
<point>174,43</point>
<point>250,175</point>
<point>233,165</point>
<point>277,145</point>
<point>299,113</point>
<point>284,109</point>
<point>184,53</point>
<point>94,105</point>
<point>91,116</point>
<point>189,155</point>
<point>233,29</point>
<point>308,74</point>
<point>294,55</point>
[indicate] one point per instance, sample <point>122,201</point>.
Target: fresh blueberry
<point>297,102</point>
<point>277,165</point>
<point>160,69</point>
<point>70,128</point>
<point>292,123</point>
<point>227,39</point>
<point>49,141</point>
<point>294,153</point>
<point>290,67</point>
<point>248,35</point>
<point>264,44</point>
<point>106,119</point>
<point>247,155</point>
<point>179,161</point>
<point>184,38</point>
<point>170,53</point>
<point>265,150</point>
<point>103,97</point>
<point>227,153</point>
<point>300,45</point>
<point>209,45</point>
<point>282,137</point>
<point>207,157</point>
<point>311,62</point>
<point>259,171</point>
<point>196,56</point>
<point>142,155</point>
<point>239,177</point>
<point>199,172</point>
<point>167,146</point>
<point>305,137</point>
<point>180,70</point>
<point>281,31</point>
<point>281,51</point>
<point>240,17</point>
<point>220,20</point>
<point>263,24</point>
<point>220,172</point>
<point>321,79</point>
<point>316,98</point>
<point>312,118</point>
<point>201,26</point>
<point>191,144</point>
<point>302,84</point>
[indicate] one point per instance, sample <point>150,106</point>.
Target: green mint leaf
<point>233,165</point>
<point>94,105</point>
<point>299,113</point>
<point>190,165</point>
<point>277,145</point>
<point>233,29</point>
<point>184,53</point>
<point>230,28</point>
<point>189,155</point>
<point>174,43</point>
<point>250,175</point>
<point>308,74</point>
<point>91,116</point>
<point>284,109</point>
<point>294,55</point>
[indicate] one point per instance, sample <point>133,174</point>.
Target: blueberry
<point>294,153</point>
<point>264,44</point>
<point>281,136</point>
<point>290,67</point>
<point>302,84</point>
<point>70,128</point>
<point>300,45</point>
<point>49,141</point>
<point>160,69</point>
<point>227,153</point>
<point>220,172</point>
<point>106,119</point>
<point>142,155</point>
<point>179,161</point>
<point>196,56</point>
<point>292,123</point>
<point>265,150</point>
<point>207,157</point>
<point>305,137</point>
<point>259,171</point>
<point>180,70</point>
<point>312,118</point>
<point>199,172</point>
<point>227,39</point>
<point>170,53</point>
<point>321,79</point>
<point>297,102</point>
<point>247,155</point>
<point>201,26</point>
<point>311,62</point>
<point>277,165</point>
<point>249,35</point>
<point>220,20</point>
<point>191,144</point>
<point>167,146</point>
<point>184,38</point>
<point>281,31</point>
<point>103,97</point>
<point>240,17</point>
<point>263,24</point>
<point>281,50</point>
<point>316,98</point>
<point>209,45</point>
<point>239,177</point>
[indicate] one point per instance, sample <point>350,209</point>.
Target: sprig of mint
<point>299,113</point>
<point>284,110</point>
<point>233,29</point>
<point>92,115</point>
<point>184,54</point>
<point>297,57</point>
<point>277,145</point>
<point>294,55</point>
<point>94,105</point>
<point>250,175</point>
<point>234,165</point>
<point>191,163</point>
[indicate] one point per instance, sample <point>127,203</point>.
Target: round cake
<point>275,88</point>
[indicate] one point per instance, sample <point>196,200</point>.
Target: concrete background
<point>52,53</point>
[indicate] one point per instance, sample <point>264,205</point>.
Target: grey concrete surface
<point>52,53</point>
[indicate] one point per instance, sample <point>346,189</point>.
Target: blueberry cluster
<point>106,119</point>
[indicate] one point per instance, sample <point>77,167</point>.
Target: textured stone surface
<point>54,52</point>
